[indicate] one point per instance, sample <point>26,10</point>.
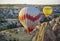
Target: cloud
<point>30,2</point>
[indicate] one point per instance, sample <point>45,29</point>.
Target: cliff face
<point>47,33</point>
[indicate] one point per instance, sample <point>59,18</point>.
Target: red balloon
<point>29,17</point>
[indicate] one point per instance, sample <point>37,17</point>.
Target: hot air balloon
<point>29,17</point>
<point>47,10</point>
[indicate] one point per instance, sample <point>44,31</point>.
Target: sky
<point>42,2</point>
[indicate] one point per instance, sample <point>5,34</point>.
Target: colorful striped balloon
<point>29,17</point>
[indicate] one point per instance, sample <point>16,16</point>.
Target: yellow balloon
<point>47,10</point>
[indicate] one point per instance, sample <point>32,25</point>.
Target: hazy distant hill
<point>24,5</point>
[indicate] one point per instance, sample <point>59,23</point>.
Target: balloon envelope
<point>47,10</point>
<point>29,17</point>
